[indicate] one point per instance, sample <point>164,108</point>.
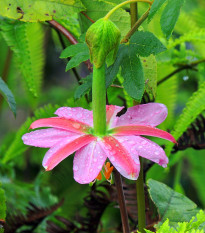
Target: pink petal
<point>142,130</point>
<point>111,112</point>
<point>151,114</point>
<point>125,162</point>
<point>61,123</point>
<point>46,137</point>
<point>145,148</point>
<point>80,114</point>
<point>88,162</point>
<point>62,150</point>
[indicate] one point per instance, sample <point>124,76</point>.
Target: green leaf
<point>150,74</point>
<point>77,59</point>
<point>2,204</point>
<point>96,9</point>
<point>194,106</point>
<point>146,43</point>
<point>39,10</point>
<point>170,204</point>
<point>73,50</point>
<point>26,40</point>
<point>170,15</point>
<point>5,91</point>
<point>132,72</point>
<point>112,71</point>
<point>17,147</point>
<point>84,87</point>
<point>155,7</point>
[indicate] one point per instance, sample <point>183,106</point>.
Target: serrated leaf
<point>155,7</point>
<point>77,59</point>
<point>74,50</point>
<point>5,91</point>
<point>39,10</point>
<point>83,88</point>
<point>26,40</point>
<point>170,15</point>
<point>146,43</point>
<point>170,204</point>
<point>132,73</point>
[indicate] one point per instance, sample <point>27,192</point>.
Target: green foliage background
<point>32,65</point>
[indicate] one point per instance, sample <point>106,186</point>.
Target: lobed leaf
<point>39,10</point>
<point>132,72</point>
<point>5,91</point>
<point>146,43</point>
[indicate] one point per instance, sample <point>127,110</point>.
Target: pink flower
<point>72,131</point>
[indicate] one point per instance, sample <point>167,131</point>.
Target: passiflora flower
<point>72,131</point>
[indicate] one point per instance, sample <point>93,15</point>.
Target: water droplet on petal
<point>75,168</point>
<point>76,125</point>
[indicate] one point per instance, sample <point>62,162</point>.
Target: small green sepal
<point>103,39</point>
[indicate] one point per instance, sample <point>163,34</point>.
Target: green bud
<point>103,38</point>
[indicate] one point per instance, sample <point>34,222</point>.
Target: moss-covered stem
<point>141,200</point>
<point>99,100</point>
<point>133,13</point>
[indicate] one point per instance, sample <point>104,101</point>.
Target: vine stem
<point>184,67</point>
<point>122,4</point>
<point>141,200</point>
<point>99,100</point>
<point>69,36</point>
<point>136,26</point>
<point>121,199</point>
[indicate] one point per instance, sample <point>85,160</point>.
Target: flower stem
<point>141,200</point>
<point>99,100</point>
<point>122,4</point>
<point>121,199</point>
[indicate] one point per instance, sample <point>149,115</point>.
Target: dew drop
<point>75,168</point>
<point>76,125</point>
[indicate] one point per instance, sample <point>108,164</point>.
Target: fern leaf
<point>193,36</point>
<point>26,41</point>
<point>167,94</point>
<point>194,107</point>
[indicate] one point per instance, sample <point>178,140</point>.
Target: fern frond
<point>26,41</point>
<point>192,36</point>
<point>194,107</point>
<point>167,94</point>
<point>17,146</point>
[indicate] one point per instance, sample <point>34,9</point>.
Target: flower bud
<point>103,39</point>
